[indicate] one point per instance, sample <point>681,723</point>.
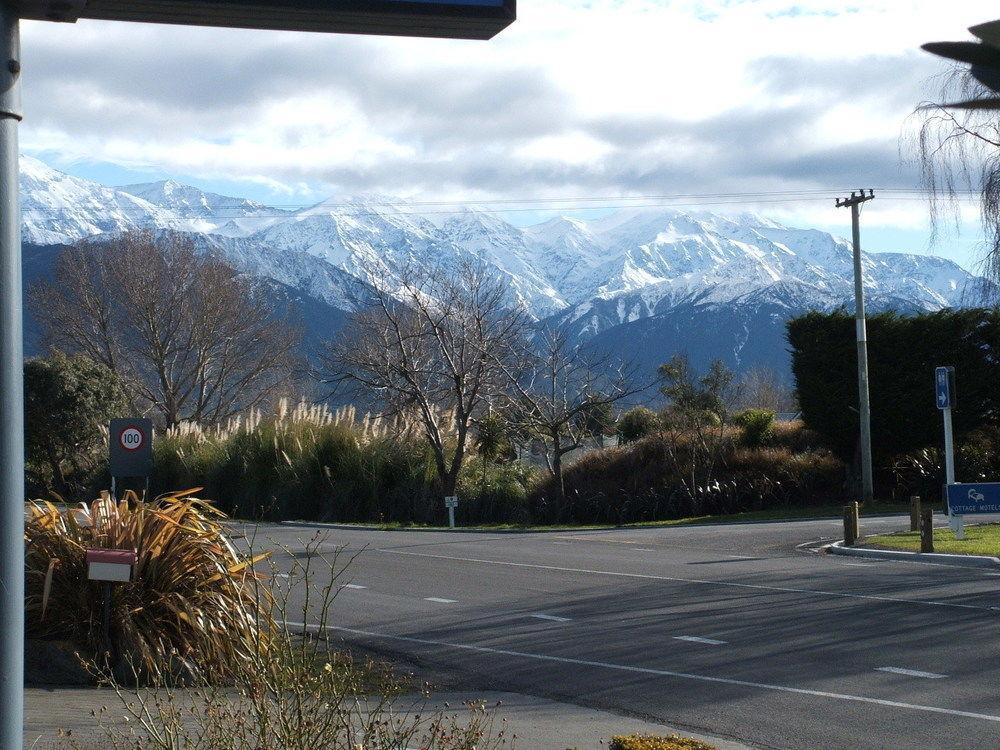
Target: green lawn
<point>979,540</point>
<point>775,514</point>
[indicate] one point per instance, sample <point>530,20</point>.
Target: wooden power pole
<point>864,407</point>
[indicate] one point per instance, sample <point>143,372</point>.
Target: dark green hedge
<point>902,352</point>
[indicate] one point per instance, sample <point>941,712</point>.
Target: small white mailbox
<point>111,564</point>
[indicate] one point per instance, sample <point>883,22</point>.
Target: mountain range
<point>641,284</point>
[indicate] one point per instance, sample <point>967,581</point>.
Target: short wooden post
<point>915,513</point>
<point>927,529</point>
<point>850,524</point>
<point>856,515</point>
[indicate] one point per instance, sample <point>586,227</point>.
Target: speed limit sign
<point>131,447</point>
<point>132,439</point>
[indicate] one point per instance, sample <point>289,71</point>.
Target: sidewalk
<point>538,723</point>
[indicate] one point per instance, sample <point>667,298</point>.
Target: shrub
<point>191,606</point>
<point>297,693</point>
<point>495,493</point>
<point>643,482</point>
<point>757,426</point>
<point>68,402</point>
<point>651,742</point>
<point>903,352</point>
<point>636,424</point>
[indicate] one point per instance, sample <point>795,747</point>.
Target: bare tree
<point>563,395</point>
<point>191,338</point>
<point>762,388</point>
<point>959,153</point>
<point>435,349</point>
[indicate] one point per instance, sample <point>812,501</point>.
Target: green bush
<point>903,352</point>
<point>757,426</point>
<point>636,424</point>
<point>68,402</point>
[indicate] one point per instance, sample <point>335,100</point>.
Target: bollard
<point>856,516</point>
<point>850,524</point>
<point>927,529</point>
<point>915,513</point>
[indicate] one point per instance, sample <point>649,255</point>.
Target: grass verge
<point>979,540</point>
<point>774,514</point>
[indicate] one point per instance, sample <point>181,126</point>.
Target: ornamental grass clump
<point>302,693</point>
<point>194,606</point>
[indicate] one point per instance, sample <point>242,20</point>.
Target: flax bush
<point>300,693</point>
<point>193,606</point>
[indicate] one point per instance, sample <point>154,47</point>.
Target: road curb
<point>570,529</point>
<point>960,561</point>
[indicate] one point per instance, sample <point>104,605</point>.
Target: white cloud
<point>597,98</point>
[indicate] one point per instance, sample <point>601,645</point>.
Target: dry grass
<point>194,604</point>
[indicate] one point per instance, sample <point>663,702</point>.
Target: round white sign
<point>131,438</point>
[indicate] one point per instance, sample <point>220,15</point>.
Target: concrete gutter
<point>938,558</point>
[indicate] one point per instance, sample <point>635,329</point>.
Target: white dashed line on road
<point>353,586</point>
<point>553,618</point>
<point>439,601</point>
<point>698,581</point>
<point>699,639</point>
<point>911,672</point>
<point>788,689</point>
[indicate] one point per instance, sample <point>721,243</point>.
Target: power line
<point>512,205</point>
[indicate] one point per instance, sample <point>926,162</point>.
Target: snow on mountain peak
<point>628,264</point>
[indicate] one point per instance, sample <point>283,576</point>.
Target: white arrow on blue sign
<point>943,379</point>
<point>965,499</point>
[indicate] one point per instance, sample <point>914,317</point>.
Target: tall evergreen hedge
<point>902,352</point>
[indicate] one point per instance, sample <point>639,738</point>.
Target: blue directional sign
<point>965,499</point>
<point>944,387</point>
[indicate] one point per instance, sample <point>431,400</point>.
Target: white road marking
<point>911,672</point>
<point>699,581</point>
<point>644,549</point>
<point>282,575</point>
<point>540,616</point>
<point>698,639</point>
<point>439,601</point>
<point>857,565</point>
<point>353,586</point>
<point>660,673</point>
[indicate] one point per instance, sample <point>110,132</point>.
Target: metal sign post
<point>944,387</point>
<point>11,393</point>
<point>451,502</point>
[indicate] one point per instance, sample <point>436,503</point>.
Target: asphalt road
<point>738,631</point>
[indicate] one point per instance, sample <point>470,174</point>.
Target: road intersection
<point>740,631</point>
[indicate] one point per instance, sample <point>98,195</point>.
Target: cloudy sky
<point>580,102</point>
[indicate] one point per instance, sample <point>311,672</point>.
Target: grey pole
<point>11,394</point>
<point>864,407</point>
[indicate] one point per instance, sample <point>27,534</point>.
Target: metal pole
<point>864,408</point>
<point>11,394</point>
<point>451,517</point>
<point>954,521</point>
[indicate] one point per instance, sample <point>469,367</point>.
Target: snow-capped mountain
<point>727,283</point>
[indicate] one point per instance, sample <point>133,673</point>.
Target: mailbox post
<point>109,566</point>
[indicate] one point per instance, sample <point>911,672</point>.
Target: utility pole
<point>864,408</point>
